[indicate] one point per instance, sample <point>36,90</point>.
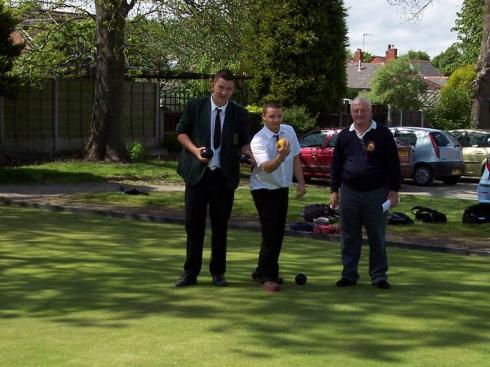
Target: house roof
<point>426,69</point>
<point>360,77</point>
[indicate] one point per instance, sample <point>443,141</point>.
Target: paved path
<point>463,190</point>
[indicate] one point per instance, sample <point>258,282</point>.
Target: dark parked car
<point>317,152</point>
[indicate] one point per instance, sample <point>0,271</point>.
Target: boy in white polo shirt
<point>276,152</point>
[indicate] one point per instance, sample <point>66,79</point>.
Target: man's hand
<point>284,150</point>
<point>393,198</point>
<point>197,154</point>
<point>300,190</point>
<point>334,200</point>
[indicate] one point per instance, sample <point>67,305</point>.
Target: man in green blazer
<point>215,124</point>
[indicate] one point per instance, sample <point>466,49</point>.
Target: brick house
<point>360,74</point>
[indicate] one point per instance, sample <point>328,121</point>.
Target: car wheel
<point>423,176</point>
<point>453,180</point>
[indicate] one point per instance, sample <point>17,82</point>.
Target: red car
<point>317,152</point>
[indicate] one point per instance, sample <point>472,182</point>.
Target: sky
<point>385,25</point>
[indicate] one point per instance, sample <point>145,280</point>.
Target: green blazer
<point>196,122</point>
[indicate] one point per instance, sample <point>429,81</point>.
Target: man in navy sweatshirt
<point>365,175</point>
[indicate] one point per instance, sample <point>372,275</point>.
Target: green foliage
<point>254,108</point>
<point>417,55</point>
<point>299,118</point>
<point>136,152</point>
<point>469,25</point>
<point>65,48</point>
<point>367,56</point>
<point>453,109</point>
<point>8,51</point>
<point>398,84</point>
<point>449,60</point>
<point>296,53</point>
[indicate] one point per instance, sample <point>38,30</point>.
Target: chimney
<point>391,54</point>
<point>358,55</point>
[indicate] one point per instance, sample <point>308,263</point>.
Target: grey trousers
<point>358,209</point>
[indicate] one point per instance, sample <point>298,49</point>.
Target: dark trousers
<point>211,192</point>
<point>358,209</point>
<point>272,206</point>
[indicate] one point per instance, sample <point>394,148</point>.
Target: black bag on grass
<point>313,211</point>
<point>399,218</point>
<point>428,215</point>
<point>477,214</point>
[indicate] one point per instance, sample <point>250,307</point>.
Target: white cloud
<point>386,25</point>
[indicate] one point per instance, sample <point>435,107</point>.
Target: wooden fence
<point>56,117</point>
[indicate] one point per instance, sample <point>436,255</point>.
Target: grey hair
<point>362,100</point>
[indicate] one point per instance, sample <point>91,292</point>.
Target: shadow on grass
<point>60,266</point>
<point>15,175</point>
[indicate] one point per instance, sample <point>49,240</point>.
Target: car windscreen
<point>312,140</point>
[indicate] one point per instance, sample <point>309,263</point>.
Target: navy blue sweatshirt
<point>367,164</point>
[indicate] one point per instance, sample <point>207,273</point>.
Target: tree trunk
<point>106,141</point>
<point>480,111</point>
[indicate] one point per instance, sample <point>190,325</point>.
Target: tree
<point>106,142</point>
<point>61,48</point>
<point>398,83</point>
<point>453,109</point>
<point>367,56</point>
<point>480,112</point>
<point>8,51</point>
<point>449,60</point>
<point>296,53</point>
<point>469,25</point>
<point>417,55</point>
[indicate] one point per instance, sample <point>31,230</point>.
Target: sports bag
<point>326,228</point>
<point>313,211</point>
<point>477,214</point>
<point>428,215</point>
<point>399,218</point>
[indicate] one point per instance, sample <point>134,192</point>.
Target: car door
<point>474,155</point>
<point>311,146</point>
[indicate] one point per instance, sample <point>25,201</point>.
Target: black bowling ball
<point>244,158</point>
<point>207,153</point>
<point>300,279</point>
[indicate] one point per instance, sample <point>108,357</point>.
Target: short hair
<point>271,105</point>
<point>225,74</point>
<point>365,101</point>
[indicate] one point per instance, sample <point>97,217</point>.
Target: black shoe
<point>219,281</point>
<point>344,282</point>
<point>185,280</point>
<point>383,284</point>
<point>261,279</point>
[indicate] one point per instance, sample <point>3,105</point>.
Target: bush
<point>299,118</point>
<point>136,152</point>
<point>453,109</point>
<point>170,142</point>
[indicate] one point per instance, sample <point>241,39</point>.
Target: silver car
<point>436,154</point>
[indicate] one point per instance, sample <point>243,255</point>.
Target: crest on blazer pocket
<point>235,139</point>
